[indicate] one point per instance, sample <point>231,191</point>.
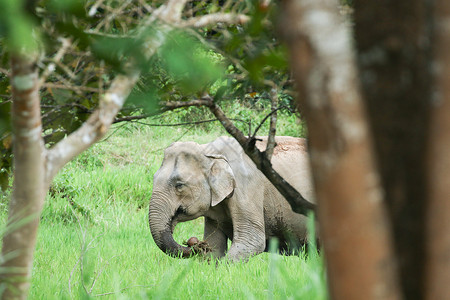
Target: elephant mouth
<point>180,211</point>
<point>177,218</point>
<point>181,215</point>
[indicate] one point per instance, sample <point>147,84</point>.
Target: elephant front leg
<point>249,236</point>
<point>246,245</point>
<point>215,238</point>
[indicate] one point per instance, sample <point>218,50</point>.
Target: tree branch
<point>173,10</point>
<point>66,43</point>
<point>5,71</point>
<point>211,19</point>
<point>76,88</point>
<point>266,117</point>
<point>169,13</point>
<point>94,7</point>
<point>131,118</point>
<point>273,123</point>
<point>171,105</point>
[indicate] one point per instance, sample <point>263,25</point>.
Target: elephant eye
<point>179,186</point>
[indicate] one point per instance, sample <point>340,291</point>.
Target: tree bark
<point>29,188</point>
<point>437,267</point>
<point>354,227</point>
<point>395,67</point>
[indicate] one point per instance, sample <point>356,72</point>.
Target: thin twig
<point>212,19</point>
<point>66,70</point>
<point>266,117</point>
<point>58,108</point>
<point>131,118</point>
<point>75,88</point>
<point>171,105</point>
<point>112,15</point>
<point>123,289</point>
<point>176,140</point>
<point>66,43</point>
<point>186,123</point>
<point>112,133</point>
<point>5,71</point>
<point>93,9</point>
<point>84,249</point>
<point>80,258</point>
<point>104,265</point>
<point>6,101</point>
<point>273,123</point>
<point>100,78</point>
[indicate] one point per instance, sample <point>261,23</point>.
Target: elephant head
<point>188,183</point>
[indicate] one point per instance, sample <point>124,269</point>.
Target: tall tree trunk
<point>354,227</point>
<point>29,188</point>
<point>394,62</point>
<point>438,207</point>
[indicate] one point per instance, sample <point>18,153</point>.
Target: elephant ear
<point>221,179</point>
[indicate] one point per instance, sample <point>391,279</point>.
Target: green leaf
<point>55,137</point>
<point>62,96</point>
<point>220,93</point>
<point>72,7</point>
<point>5,124</point>
<point>148,101</point>
<point>17,27</point>
<point>188,62</point>
<point>116,51</point>
<point>4,180</point>
<point>69,28</point>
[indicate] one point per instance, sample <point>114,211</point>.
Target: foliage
<point>85,43</point>
<point>186,62</point>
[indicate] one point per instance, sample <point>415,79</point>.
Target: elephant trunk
<point>161,222</point>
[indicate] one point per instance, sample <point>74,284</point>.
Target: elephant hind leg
<point>277,244</point>
<point>287,245</point>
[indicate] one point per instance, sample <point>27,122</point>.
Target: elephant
<point>218,180</point>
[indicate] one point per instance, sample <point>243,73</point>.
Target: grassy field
<point>94,238</point>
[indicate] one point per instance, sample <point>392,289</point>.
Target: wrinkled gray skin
<point>218,181</point>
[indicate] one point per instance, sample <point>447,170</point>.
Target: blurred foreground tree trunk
<point>394,59</point>
<point>403,58</point>
<point>354,227</point>
<point>437,230</point>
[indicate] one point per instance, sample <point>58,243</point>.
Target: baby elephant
<point>218,181</point>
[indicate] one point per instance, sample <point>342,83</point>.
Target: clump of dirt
<point>197,246</point>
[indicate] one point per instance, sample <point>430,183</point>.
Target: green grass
<point>94,237</point>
